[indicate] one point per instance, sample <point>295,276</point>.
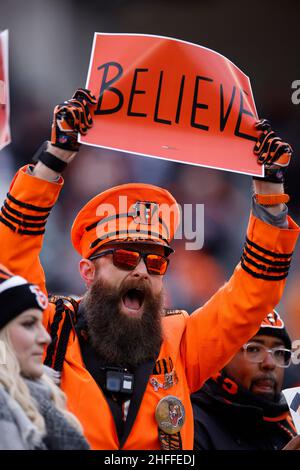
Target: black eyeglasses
<point>128,260</point>
<point>255,352</point>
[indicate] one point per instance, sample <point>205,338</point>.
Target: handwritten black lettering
<point>197,105</point>
<point>106,86</point>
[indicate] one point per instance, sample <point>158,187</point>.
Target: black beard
<point>120,340</point>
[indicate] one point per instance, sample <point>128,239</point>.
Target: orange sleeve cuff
<point>268,249</point>
<point>33,190</point>
<point>273,238</point>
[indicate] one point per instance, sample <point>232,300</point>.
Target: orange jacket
<point>199,345</point>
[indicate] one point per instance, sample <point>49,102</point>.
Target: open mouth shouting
<point>132,302</point>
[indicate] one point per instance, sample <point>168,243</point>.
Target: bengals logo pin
<point>40,297</point>
<point>170,414</point>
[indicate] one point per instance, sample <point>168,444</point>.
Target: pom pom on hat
<point>18,295</point>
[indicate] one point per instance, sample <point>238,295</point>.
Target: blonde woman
<point>33,414</point>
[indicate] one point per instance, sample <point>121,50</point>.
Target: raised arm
<point>215,332</point>
<point>35,189</point>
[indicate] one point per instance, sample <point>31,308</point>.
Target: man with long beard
<point>124,339</point>
<point>127,364</point>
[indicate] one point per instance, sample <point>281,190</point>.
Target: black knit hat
<point>18,295</point>
<point>273,325</point>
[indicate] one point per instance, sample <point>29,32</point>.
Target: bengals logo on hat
<point>18,295</point>
<point>40,297</point>
<point>272,320</point>
<point>144,212</point>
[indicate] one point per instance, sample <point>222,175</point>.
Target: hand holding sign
<point>171,99</point>
<point>71,117</point>
<point>270,148</point>
<point>272,152</point>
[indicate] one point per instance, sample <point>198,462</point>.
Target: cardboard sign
<point>5,137</point>
<point>171,99</point>
<point>292,396</point>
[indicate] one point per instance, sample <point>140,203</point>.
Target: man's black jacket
<point>239,421</point>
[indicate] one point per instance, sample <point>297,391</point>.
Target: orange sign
<point>4,91</point>
<point>171,99</point>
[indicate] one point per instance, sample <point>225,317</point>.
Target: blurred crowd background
<point>50,45</point>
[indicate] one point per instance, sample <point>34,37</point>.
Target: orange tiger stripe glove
<point>71,117</point>
<point>272,152</point>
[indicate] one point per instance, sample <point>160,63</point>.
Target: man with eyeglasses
<point>127,364</point>
<point>242,407</point>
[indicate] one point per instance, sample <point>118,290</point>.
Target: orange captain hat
<point>133,212</point>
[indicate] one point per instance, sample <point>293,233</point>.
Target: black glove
<point>272,152</point>
<point>71,117</point>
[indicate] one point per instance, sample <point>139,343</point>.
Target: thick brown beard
<point>120,340</point>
